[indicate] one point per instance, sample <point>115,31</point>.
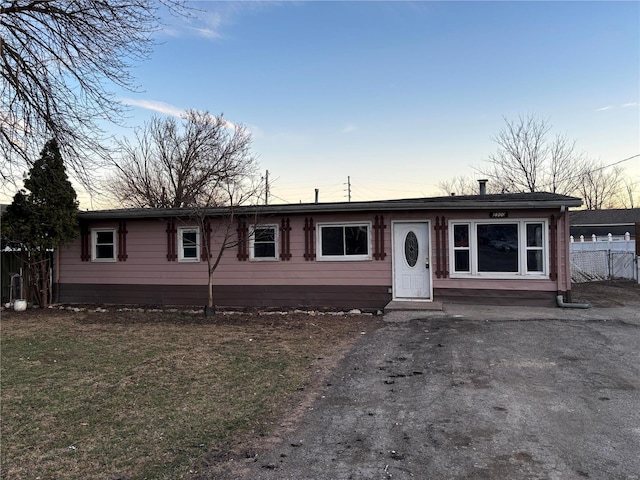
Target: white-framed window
<point>188,244</point>
<point>461,248</point>
<point>103,244</point>
<point>343,241</point>
<point>263,243</point>
<point>535,247</point>
<point>498,249</point>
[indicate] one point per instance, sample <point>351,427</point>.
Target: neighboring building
<point>494,249</point>
<point>601,223</point>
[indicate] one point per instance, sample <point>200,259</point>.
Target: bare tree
<point>232,201</point>
<point>528,161</point>
<point>203,164</point>
<point>173,164</point>
<point>58,62</point>
<point>599,187</point>
<point>630,191</point>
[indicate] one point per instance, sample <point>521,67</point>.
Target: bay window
<point>499,249</point>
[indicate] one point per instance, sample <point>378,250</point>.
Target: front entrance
<point>411,274</point>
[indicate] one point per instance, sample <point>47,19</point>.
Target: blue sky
<point>398,95</point>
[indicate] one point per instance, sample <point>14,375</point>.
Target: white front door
<point>411,274</point>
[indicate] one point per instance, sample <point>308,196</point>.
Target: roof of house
<point>462,202</point>
<point>622,216</point>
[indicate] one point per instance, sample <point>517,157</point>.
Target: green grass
<point>144,395</point>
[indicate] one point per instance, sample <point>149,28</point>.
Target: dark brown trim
<point>171,241</point>
<point>481,296</point>
<point>378,231</point>
<point>272,296</point>
<point>285,241</point>
<point>122,241</point>
<point>442,248</point>
<point>207,241</point>
<point>309,239</point>
<point>553,247</point>
<point>85,234</point>
<point>242,241</point>
<point>637,234</point>
<point>438,249</point>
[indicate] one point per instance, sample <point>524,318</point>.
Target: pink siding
<point>147,263</point>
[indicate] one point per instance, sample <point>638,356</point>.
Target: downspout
<point>560,298</point>
<point>561,304</point>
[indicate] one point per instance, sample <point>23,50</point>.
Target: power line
<point>616,163</point>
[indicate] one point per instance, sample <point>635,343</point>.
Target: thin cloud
<point>350,127</point>
<point>625,105</point>
<point>154,106</point>
<point>206,33</point>
<point>167,109</point>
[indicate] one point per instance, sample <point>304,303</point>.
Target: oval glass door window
<point>411,249</point>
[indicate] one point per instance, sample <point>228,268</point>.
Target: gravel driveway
<point>478,393</point>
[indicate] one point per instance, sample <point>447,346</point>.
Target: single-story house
<point>601,223</point>
<point>496,249</point>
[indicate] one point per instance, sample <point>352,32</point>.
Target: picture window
<point>344,242</point>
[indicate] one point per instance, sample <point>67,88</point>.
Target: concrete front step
<point>403,305</point>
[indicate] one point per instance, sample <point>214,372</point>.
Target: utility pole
<point>266,188</point>
<point>349,188</point>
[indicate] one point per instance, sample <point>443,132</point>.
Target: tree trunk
<point>44,282</point>
<point>210,308</point>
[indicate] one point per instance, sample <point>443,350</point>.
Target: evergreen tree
<point>42,217</point>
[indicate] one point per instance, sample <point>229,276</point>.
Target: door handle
<point>426,262</point>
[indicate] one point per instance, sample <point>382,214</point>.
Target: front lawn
<point>135,395</point>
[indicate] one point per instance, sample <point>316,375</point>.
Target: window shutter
<point>285,245</point>
<point>378,233</point>
<point>171,241</point>
<point>309,239</point>
<point>85,234</point>
<point>122,241</point>
<point>242,241</point>
<point>207,241</point>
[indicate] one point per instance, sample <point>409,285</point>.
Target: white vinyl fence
<point>603,259</point>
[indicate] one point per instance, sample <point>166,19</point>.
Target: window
<point>188,244</point>
<point>461,251</point>
<point>263,242</point>
<point>535,248</point>
<point>498,249</point>
<point>343,242</point>
<point>103,245</point>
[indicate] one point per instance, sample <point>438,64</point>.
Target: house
<point>601,223</point>
<point>497,249</point>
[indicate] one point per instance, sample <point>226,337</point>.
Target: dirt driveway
<point>474,393</point>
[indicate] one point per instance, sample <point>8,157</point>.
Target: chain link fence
<point>596,265</point>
